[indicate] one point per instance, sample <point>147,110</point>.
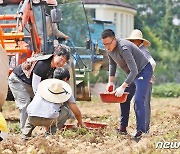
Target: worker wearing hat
<point>44,109</point>
<point>47,107</point>
<point>136,37</point>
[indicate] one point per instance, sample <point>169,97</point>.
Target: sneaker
<point>24,139</point>
<point>122,132</point>
<point>138,136</point>
<point>47,133</point>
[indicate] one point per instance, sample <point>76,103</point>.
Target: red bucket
<point>111,98</point>
<point>95,125</point>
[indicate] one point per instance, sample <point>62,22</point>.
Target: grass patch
<point>14,128</point>
<point>9,105</point>
<point>166,90</point>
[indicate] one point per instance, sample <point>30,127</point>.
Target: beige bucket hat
<point>54,90</point>
<point>136,34</point>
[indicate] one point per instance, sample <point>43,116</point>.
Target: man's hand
<point>66,37</point>
<point>119,91</point>
<point>153,78</point>
<point>110,87</point>
<point>80,124</point>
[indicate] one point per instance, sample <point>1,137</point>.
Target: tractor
<point>23,34</point>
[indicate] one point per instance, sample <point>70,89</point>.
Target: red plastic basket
<point>111,98</point>
<point>94,125</point>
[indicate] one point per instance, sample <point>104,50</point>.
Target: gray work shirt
<point>145,51</point>
<point>148,55</point>
<point>128,57</point>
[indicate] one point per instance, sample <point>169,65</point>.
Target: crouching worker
<point>47,109</point>
<point>69,107</point>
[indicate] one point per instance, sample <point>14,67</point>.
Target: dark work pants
<point>139,89</point>
<point>32,122</point>
<point>148,106</point>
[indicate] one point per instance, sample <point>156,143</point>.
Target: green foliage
<point>75,133</point>
<point>156,42</point>
<point>14,128</point>
<point>166,90</point>
<point>155,19</point>
<point>175,37</point>
<point>74,23</point>
<point>162,75</point>
<point>88,135</point>
<point>69,133</point>
<point>101,77</point>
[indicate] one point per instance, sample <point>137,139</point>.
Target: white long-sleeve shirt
<point>148,55</point>
<point>40,107</point>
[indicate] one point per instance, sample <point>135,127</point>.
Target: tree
<point>155,19</point>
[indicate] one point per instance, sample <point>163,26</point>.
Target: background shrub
<point>166,90</point>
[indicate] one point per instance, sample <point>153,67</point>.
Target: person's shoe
<point>47,133</point>
<point>121,132</point>
<point>24,139</point>
<point>138,136</point>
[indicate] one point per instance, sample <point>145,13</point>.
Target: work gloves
<point>119,91</point>
<point>110,87</point>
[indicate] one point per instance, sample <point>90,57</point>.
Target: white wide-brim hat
<point>136,34</point>
<point>54,90</point>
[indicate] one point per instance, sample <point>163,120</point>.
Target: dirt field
<point>165,127</point>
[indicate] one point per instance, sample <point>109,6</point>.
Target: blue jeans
<point>139,89</point>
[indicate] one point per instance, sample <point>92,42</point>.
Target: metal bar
<point>8,17</point>
<point>77,54</point>
<point>1,37</point>
<point>14,35</point>
<point>8,25</point>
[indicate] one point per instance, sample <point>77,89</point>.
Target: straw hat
<point>136,34</point>
<point>54,90</point>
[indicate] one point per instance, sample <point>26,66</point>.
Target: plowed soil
<point>165,127</point>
